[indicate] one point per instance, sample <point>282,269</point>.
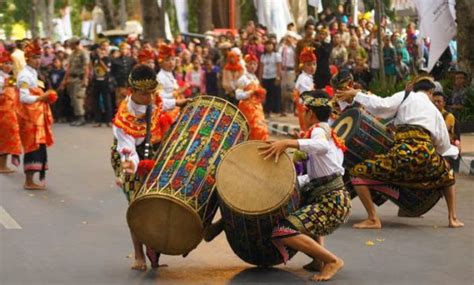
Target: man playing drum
<point>415,160</point>
<point>139,123</point>
<point>326,203</point>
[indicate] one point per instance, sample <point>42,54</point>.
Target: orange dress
<point>299,109</point>
<point>36,121</point>
<point>10,142</point>
<point>253,111</point>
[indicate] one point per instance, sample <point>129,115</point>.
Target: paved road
<point>76,233</point>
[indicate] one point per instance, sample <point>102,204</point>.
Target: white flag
<point>317,4</point>
<point>437,23</point>
<point>182,14</point>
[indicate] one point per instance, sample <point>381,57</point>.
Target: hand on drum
<point>276,148</point>
<point>128,167</point>
<point>346,95</point>
<point>183,102</point>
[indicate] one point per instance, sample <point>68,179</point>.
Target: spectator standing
<point>270,74</point>
<point>76,80</point>
<point>103,111</point>
<point>119,71</point>
<point>211,77</point>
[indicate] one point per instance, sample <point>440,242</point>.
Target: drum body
<point>365,137</point>
<point>177,199</point>
<point>254,195</point>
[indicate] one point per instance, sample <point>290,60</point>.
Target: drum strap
<point>148,131</point>
<point>403,100</point>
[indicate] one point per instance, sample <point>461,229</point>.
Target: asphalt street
<point>76,233</point>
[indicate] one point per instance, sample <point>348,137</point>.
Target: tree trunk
<point>464,16</point>
<point>378,17</point>
<point>34,9</point>
<point>48,19</point>
<point>110,18</point>
<point>123,14</point>
<point>205,16</point>
<point>220,13</point>
<point>151,20</point>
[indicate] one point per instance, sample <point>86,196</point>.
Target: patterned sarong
<point>325,211</point>
<point>412,162</point>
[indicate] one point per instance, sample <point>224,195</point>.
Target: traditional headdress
<point>124,45</point>
<point>164,52</point>
<point>307,55</point>
<point>250,57</point>
<point>33,49</point>
<point>341,79</point>
<point>145,55</point>
<point>310,100</point>
<point>143,77</point>
<point>5,56</point>
<point>233,66</point>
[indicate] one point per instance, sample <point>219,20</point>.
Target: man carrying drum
<point>415,160</point>
<point>138,128</point>
<point>326,202</point>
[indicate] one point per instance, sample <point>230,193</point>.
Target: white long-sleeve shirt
<point>324,157</point>
<point>126,141</point>
<point>304,82</point>
<point>168,85</point>
<point>26,79</point>
<point>245,80</point>
<point>416,110</point>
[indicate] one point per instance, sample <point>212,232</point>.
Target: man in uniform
<point>76,79</point>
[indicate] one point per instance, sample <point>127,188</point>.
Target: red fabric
<point>145,55</point>
<point>10,141</point>
<point>52,96</point>
<point>299,109</point>
<point>135,126</point>
<point>33,49</point>
<point>329,90</point>
<point>165,51</point>
<point>253,111</point>
<point>145,166</point>
<point>250,57</point>
<point>36,121</point>
<point>233,66</point>
<point>5,56</point>
<point>307,55</point>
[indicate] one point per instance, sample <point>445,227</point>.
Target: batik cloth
<point>327,206</point>
<point>412,162</point>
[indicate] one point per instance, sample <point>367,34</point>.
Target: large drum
<point>254,195</point>
<point>177,199</point>
<point>366,137</point>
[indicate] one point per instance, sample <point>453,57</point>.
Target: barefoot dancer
<point>326,203</point>
<point>134,129</point>
<point>35,118</point>
<point>10,143</point>
<point>415,160</point>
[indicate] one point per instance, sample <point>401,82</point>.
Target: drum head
<point>251,185</point>
<point>165,224</point>
<point>347,124</point>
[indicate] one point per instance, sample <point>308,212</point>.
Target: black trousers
<point>103,111</point>
<point>273,98</point>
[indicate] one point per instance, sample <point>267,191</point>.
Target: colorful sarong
<point>412,162</point>
<point>327,207</point>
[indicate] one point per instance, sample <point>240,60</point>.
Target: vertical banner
<point>182,14</point>
<point>437,23</point>
<point>274,14</point>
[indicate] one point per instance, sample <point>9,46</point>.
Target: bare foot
<point>33,186</point>
<point>139,264</point>
<point>329,270</point>
<point>6,170</point>
<point>315,266</point>
<point>455,223</point>
<point>368,224</point>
